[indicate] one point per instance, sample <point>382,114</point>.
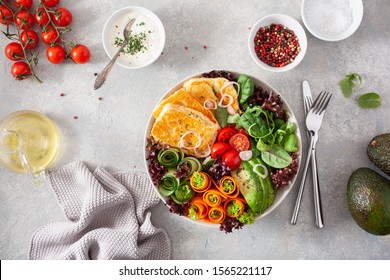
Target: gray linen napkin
<point>107,217</point>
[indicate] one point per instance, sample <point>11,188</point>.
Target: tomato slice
<point>226,133</point>
<point>219,148</point>
<point>232,159</point>
<point>239,142</point>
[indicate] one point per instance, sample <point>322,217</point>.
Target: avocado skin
<point>368,198</point>
<point>378,152</point>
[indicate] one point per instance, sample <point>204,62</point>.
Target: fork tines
<point>321,102</point>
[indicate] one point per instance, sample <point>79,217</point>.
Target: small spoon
<point>101,78</point>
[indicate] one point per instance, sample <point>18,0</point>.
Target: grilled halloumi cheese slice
<point>202,92</point>
<point>176,121</point>
<point>181,97</point>
<point>217,84</point>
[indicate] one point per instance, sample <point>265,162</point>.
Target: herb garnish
<point>351,83</point>
<point>369,100</point>
<point>137,42</point>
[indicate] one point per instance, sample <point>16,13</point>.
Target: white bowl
<point>349,20</point>
<point>291,24</point>
<point>114,26</point>
<point>280,193</point>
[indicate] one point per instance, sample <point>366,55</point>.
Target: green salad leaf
<point>247,88</point>
<point>247,217</point>
<point>221,115</point>
<point>276,157</point>
<point>291,143</point>
<point>256,121</point>
<point>369,100</point>
<point>285,136</point>
<point>192,212</point>
<point>350,83</point>
<point>274,144</point>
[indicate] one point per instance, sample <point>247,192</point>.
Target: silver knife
<point>316,184</point>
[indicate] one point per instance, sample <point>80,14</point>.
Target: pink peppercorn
<point>276,45</point>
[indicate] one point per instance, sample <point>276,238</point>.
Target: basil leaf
<point>350,83</point>
<point>369,100</point>
<point>276,157</point>
<point>221,115</point>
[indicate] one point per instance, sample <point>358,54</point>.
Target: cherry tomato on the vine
<point>25,3</point>
<point>232,159</point>
<point>80,54</point>
<point>41,17</point>
<point>50,35</point>
<point>55,54</point>
<point>6,17</point>
<point>62,17</point>
<point>50,3</point>
<point>29,39</point>
<point>20,70</point>
<point>14,51</point>
<point>24,19</point>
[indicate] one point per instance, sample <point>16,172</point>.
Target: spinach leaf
<point>291,143</point>
<point>278,123</point>
<point>261,146</point>
<point>247,88</point>
<point>350,83</point>
<point>221,114</point>
<point>282,134</point>
<point>235,119</point>
<point>276,157</point>
<point>255,151</point>
<point>369,100</point>
<point>256,122</point>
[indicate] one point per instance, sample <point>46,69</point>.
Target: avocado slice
<point>258,192</point>
<point>368,198</point>
<point>378,152</point>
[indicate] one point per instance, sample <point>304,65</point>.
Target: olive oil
<point>31,133</point>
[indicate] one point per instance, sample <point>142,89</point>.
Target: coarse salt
<point>328,18</point>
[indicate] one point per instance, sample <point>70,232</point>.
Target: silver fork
<point>313,124</point>
<point>308,102</point>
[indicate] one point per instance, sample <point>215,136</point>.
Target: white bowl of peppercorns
<point>277,43</point>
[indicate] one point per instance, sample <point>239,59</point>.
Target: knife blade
<point>316,185</point>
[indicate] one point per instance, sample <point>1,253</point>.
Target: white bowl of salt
<point>332,20</point>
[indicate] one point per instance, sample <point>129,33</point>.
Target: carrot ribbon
<point>213,197</point>
<point>216,215</point>
<point>200,181</point>
<point>199,206</point>
<point>234,206</point>
<point>228,187</point>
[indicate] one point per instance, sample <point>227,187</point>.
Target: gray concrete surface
<point>110,131</point>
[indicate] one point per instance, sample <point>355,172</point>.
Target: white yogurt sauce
<point>141,24</point>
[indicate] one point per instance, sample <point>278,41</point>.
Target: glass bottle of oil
<point>28,139</point>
